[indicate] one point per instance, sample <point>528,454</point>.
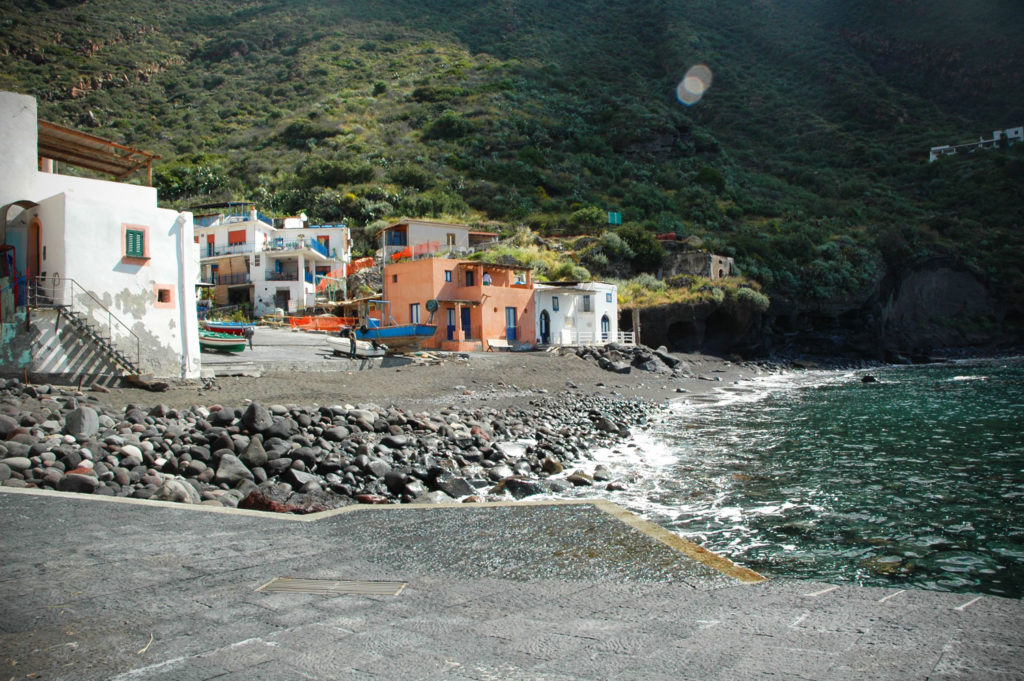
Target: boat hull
<point>212,341</point>
<point>352,347</point>
<point>400,336</point>
<point>232,328</point>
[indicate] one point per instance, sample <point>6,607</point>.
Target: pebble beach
<point>481,427</point>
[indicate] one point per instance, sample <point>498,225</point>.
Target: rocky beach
<point>464,427</point>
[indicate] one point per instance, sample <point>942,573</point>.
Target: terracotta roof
<point>83,150</point>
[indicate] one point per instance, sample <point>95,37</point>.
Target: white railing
<point>574,337</point>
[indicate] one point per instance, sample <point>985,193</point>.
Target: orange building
<point>480,305</point>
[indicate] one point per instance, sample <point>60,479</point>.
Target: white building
<point>576,313</point>
<point>1000,138</point>
<point>105,279</point>
<point>249,261</point>
<point>414,238</point>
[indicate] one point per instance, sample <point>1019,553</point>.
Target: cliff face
<point>935,305</point>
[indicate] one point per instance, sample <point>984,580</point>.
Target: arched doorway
<point>606,328</point>
<point>545,328</point>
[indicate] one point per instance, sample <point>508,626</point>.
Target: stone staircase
<point>94,336</point>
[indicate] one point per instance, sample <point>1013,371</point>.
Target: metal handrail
<point>58,292</point>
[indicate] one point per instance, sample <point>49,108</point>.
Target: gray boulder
<point>82,422</point>
<point>231,470</point>
<point>82,484</point>
<point>254,455</point>
<point>175,490</point>
<point>453,486</point>
<point>257,418</point>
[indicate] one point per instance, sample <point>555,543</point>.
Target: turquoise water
<point>917,480</point>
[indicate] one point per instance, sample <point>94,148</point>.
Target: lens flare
<point>694,84</point>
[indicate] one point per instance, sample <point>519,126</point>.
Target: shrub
<point>448,126</point>
<point>755,299</point>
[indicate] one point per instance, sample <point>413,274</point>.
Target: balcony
<point>230,249</point>
<point>231,279</point>
<point>279,244</point>
<point>288,276</point>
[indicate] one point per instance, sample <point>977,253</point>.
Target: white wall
<point>19,134</point>
<point>570,323</point>
<point>82,236</point>
<point>420,233</point>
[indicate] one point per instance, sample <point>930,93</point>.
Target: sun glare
<point>694,84</point>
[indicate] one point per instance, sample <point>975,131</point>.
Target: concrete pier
<point>114,589</point>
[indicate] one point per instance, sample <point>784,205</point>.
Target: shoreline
<point>471,427</point>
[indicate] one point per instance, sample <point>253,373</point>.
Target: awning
<point>83,150</point>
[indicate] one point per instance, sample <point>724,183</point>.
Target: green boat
<point>212,341</point>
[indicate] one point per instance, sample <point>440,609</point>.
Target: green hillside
<point>806,159</point>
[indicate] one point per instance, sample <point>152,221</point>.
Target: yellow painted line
<point>892,595</point>
<point>673,541</point>
<point>969,603</point>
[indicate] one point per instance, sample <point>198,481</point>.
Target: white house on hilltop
<point>1000,138</point>
<point>96,279</point>
<point>576,313</point>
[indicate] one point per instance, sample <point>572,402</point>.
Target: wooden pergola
<point>83,150</point>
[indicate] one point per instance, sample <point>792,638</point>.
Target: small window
<point>554,303</point>
<point>586,303</point>
<point>447,275</point>
<point>414,313</point>
<point>256,260</point>
<point>394,278</point>
<point>164,296</point>
<point>450,239</point>
<point>470,278</point>
<point>608,297</point>
<point>134,243</point>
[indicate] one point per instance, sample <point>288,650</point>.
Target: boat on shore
<point>233,328</point>
<point>220,342</point>
<point>350,346</point>
<point>397,336</point>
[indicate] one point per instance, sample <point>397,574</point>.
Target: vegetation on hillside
<point>806,160</point>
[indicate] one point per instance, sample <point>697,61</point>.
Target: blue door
<point>465,323</point>
<point>545,328</point>
<point>451,323</point>
<point>606,328</point>
<point>510,323</point>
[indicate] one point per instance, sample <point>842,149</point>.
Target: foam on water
<point>916,479</point>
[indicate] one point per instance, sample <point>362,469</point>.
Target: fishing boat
<point>350,346</point>
<point>398,337</point>
<point>233,328</point>
<point>220,342</point>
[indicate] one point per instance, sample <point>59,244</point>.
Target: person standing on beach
<point>248,332</point>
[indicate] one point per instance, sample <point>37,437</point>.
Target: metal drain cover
<point>332,587</point>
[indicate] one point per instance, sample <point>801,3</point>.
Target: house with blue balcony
<point>268,263</point>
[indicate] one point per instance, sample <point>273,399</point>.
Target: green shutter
<point>135,243</point>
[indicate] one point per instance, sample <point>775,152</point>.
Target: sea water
<point>914,480</point>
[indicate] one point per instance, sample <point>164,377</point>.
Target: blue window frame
<point>447,275</point>
<point>554,303</point>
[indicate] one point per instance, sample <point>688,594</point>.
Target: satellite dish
<point>432,305</point>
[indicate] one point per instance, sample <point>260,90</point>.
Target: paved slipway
<point>120,589</point>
